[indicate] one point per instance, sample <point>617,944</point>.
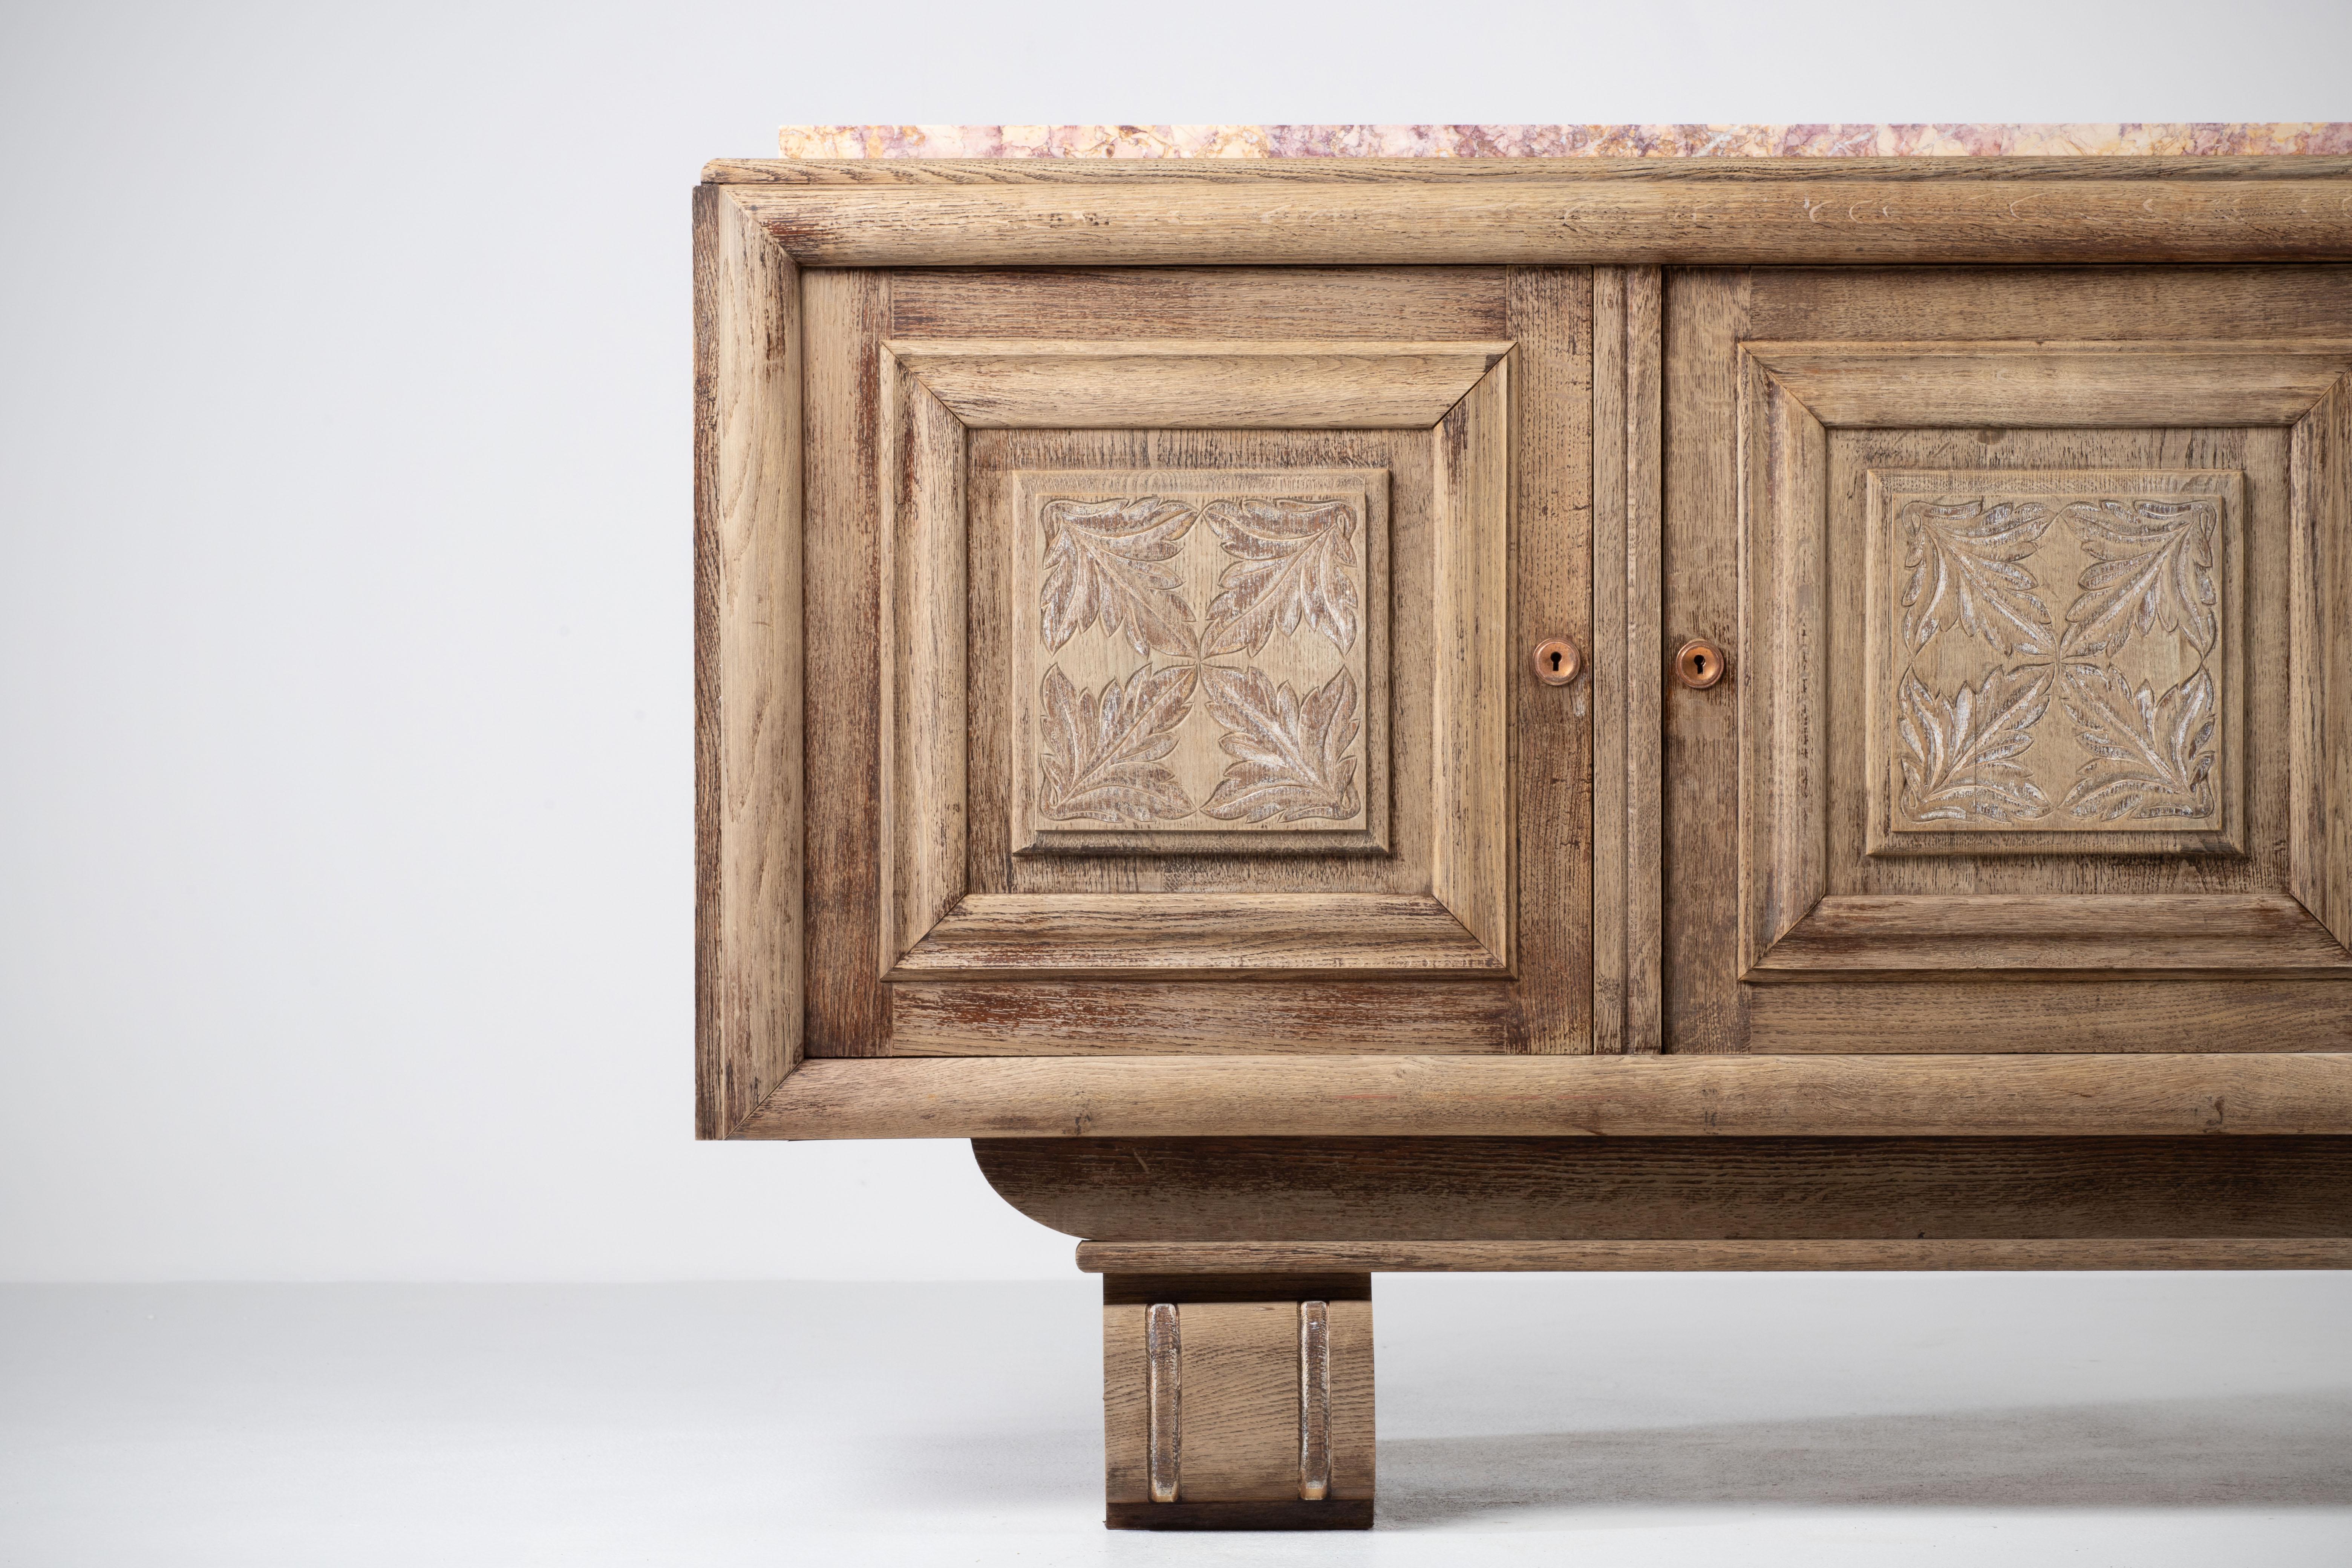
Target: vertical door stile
<point>1628,669</point>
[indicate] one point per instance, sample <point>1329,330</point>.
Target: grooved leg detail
<point>1165,1369</point>
<point>1314,1401</point>
<point>1245,1403</point>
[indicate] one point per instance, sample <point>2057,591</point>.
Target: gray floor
<point>2137,1420</point>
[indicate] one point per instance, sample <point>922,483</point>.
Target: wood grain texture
<point>1344,304</point>
<point>1300,1096</point>
<point>1700,824</point>
<point>1472,861</point>
<point>2243,853</point>
<point>1006,460</point>
<point>1241,1401</point>
<point>2250,934</point>
<point>1127,1402</point>
<point>1354,1455</point>
<point>1452,171</point>
<point>1551,589</point>
<point>2002,395</point>
<point>1561,1190</point>
<point>2063,304</point>
<point>2080,783</point>
<point>1628,673</point>
<point>1034,916</point>
<point>1935,1017</point>
<point>846,710</point>
<point>1742,1257</point>
<point>1143,383</point>
<point>1247,584</point>
<point>1832,218</point>
<point>748,980</point>
<point>1222,1412</point>
<point>1780,670</point>
<point>1158,1018</point>
<point>1011,925</point>
<point>1170,935</point>
<point>2319,695</point>
<point>923,807</point>
<point>2059,385</point>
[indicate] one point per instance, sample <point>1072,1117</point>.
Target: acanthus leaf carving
<point>2153,567</point>
<point>1102,752</point>
<point>1293,566</point>
<point>1290,755</point>
<point>1969,552</point>
<point>1103,560</point>
<point>1962,753</point>
<point>2152,755</point>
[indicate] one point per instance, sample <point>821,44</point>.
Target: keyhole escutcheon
<point>1700,664</point>
<point>1557,662</point>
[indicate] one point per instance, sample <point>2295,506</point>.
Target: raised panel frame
<point>934,925</point>
<point>1790,395</point>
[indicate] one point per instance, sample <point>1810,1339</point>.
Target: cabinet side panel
<point>747,665</point>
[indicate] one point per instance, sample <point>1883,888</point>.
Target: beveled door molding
<point>1791,395</point>
<point>1459,394</point>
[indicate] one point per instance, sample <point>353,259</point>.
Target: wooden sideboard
<point>1349,715</point>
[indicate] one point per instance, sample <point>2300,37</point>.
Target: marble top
<point>1556,140</point>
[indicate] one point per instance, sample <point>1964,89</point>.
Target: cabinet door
<point>1168,685</point>
<point>2037,733</point>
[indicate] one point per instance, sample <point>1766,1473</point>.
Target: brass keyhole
<point>1700,664</point>
<point>1557,662</point>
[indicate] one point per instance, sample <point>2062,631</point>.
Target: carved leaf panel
<point>1964,561</point>
<point>2154,567</point>
<point>1193,656</point>
<point>1294,563</point>
<point>1102,752</point>
<point>1104,561</point>
<point>1291,757</point>
<point>1961,756</point>
<point>2153,756</point>
<point>1997,717</point>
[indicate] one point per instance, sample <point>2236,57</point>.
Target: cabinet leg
<point>1237,1401</point>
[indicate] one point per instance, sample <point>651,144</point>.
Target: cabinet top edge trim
<point>1830,218</point>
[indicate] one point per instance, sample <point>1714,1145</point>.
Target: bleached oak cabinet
<point>1346,716</point>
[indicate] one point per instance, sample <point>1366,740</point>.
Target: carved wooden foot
<point>1237,1401</point>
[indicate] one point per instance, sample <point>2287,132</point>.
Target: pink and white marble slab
<point>1554,141</point>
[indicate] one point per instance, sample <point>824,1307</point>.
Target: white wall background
<point>345,760</point>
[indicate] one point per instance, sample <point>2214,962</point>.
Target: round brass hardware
<point>1557,662</point>
<point>1700,664</point>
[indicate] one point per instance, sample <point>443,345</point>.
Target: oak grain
<point>748,979</point>
<point>1832,218</point>
<point>1721,1095</point>
<point>1387,1190</point>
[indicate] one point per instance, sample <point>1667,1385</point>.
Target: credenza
<point>1349,715</point>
